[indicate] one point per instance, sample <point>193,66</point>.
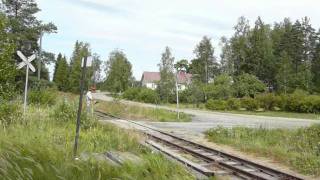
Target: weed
<point>299,148</point>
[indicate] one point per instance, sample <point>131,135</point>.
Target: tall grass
<point>142,113</point>
<point>299,149</point>
<point>42,149</point>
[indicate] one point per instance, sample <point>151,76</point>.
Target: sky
<point>143,28</point>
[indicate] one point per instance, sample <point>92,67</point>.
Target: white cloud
<point>144,27</point>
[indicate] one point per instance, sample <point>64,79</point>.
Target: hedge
<point>300,102</point>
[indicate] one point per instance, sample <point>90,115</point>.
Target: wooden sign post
<point>86,62</point>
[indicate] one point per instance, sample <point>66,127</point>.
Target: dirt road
<point>204,120</point>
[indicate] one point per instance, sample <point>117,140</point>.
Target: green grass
<point>299,149</point>
<point>41,148</point>
<point>141,113</point>
<point>311,116</point>
<point>278,114</point>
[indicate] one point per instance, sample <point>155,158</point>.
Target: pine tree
<point>316,66</point>
<point>227,64</point>
<point>240,45</point>
<point>166,67</point>
<point>260,61</point>
<point>80,51</point>
<point>285,74</point>
<point>58,62</point>
<point>61,73</point>
<point>7,63</point>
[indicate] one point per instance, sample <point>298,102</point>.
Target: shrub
<point>249,103</point>
<point>294,101</point>
<point>221,88</point>
<point>299,101</point>
<point>131,93</point>
<point>233,104</point>
<point>42,97</point>
<point>148,96</point>
<point>66,112</point>
<point>184,96</point>
<point>248,85</point>
<point>10,113</point>
<point>267,101</point>
<point>310,104</point>
<point>216,104</point>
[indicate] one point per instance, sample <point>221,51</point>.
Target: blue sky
<point>142,28</point>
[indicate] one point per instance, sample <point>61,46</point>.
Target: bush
<point>233,104</point>
<point>66,112</point>
<point>10,113</point>
<point>131,93</point>
<point>298,148</point>
<point>267,101</point>
<point>216,105</point>
<point>141,94</point>
<point>221,88</point>
<point>310,104</point>
<point>42,97</point>
<point>249,103</point>
<point>294,101</point>
<point>148,96</point>
<point>248,85</point>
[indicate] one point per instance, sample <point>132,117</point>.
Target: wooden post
<point>83,76</point>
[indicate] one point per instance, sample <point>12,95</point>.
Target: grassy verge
<point>299,149</point>
<point>141,113</point>
<point>41,148</point>
<point>311,116</point>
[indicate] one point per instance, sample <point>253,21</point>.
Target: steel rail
<point>261,172</point>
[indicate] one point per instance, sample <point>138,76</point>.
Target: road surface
<point>204,120</point>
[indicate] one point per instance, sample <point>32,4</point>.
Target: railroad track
<point>205,160</point>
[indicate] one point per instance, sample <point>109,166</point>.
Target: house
<point>150,80</point>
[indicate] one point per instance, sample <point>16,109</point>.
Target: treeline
<point>21,30</point>
<point>281,59</point>
<point>285,56</point>
<point>67,75</point>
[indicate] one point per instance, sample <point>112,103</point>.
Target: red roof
<point>184,77</point>
<point>148,77</point>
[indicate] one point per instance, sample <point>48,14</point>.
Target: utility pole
<point>39,57</point>
<point>83,76</point>
<point>206,69</point>
<point>177,92</point>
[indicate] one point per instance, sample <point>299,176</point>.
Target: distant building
<point>151,79</point>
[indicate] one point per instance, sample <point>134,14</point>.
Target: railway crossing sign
<point>89,61</point>
<point>26,61</point>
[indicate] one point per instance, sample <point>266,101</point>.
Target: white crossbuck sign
<point>26,61</point>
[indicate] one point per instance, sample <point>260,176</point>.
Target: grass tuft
<point>142,113</point>
<point>299,149</point>
<point>42,149</point>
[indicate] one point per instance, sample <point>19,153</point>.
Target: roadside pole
<point>83,76</point>
<point>39,71</point>
<point>26,91</point>
<point>177,92</point>
<point>39,58</point>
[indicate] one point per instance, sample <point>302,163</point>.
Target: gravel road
<point>204,120</point>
